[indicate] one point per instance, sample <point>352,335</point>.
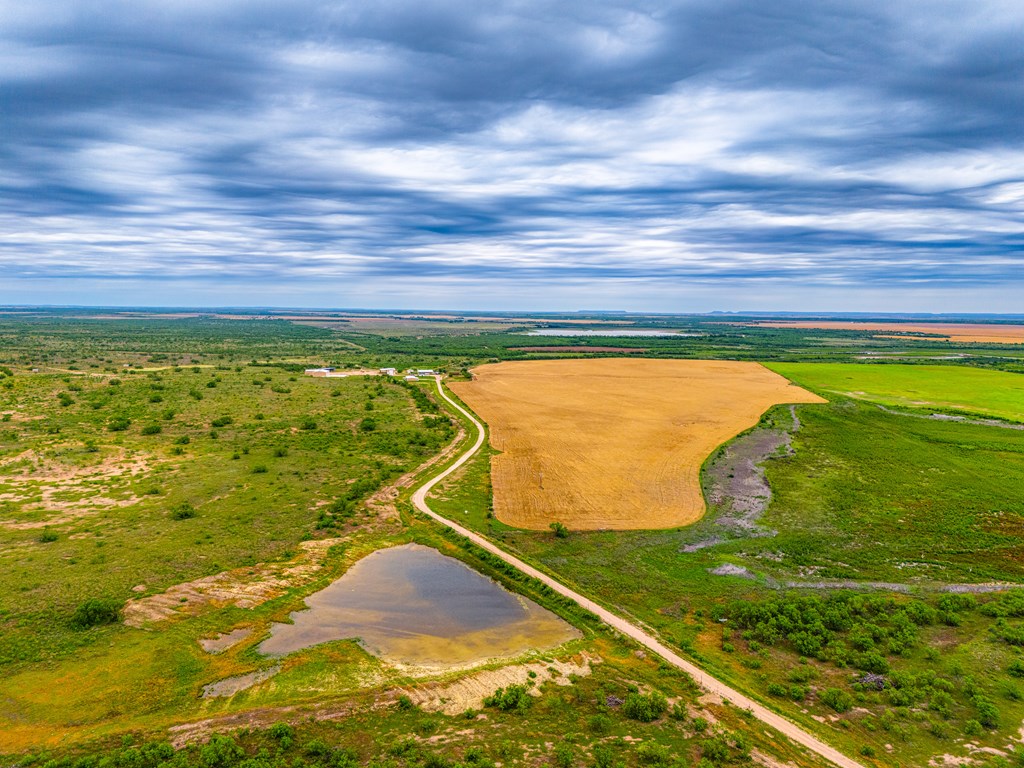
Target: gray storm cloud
<point>713,147</point>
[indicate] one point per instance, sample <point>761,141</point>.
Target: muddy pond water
<point>415,607</point>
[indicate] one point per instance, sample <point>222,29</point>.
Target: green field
<point>944,387</point>
<point>142,453</point>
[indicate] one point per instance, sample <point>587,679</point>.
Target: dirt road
<point>646,639</point>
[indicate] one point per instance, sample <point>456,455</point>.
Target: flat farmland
<point>610,443</point>
<point>974,390</point>
<point>977,333</point>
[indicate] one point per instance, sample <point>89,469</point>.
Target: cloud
<point>529,148</point>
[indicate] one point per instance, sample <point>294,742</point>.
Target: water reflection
<point>416,607</point>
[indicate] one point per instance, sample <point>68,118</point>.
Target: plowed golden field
<point>615,443</point>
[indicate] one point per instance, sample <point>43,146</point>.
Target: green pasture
<point>960,388</point>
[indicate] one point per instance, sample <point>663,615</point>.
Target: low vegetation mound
<point>614,443</point>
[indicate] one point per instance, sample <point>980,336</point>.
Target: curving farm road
<point>646,639</point>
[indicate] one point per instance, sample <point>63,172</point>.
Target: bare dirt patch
<point>243,587</point>
<point>614,443</point>
<point>41,485</point>
<point>469,692</point>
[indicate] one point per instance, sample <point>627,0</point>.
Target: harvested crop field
<point>613,443</point>
<point>980,333</point>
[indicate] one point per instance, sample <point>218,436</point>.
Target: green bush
<point>514,698</point>
<point>47,536</point>
<point>600,725</point>
<point>988,713</point>
<point>152,429</point>
<point>651,753</point>
<point>95,612</point>
<point>647,708</point>
<point>119,424</point>
<point>837,699</point>
<point>564,755</point>
<point>183,511</point>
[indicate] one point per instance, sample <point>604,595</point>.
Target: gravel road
<point>646,639</point>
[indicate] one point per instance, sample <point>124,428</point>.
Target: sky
<point>660,156</point>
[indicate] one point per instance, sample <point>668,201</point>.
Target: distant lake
<point>609,332</point>
<point>416,607</point>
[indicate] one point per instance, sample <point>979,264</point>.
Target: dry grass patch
<point>613,443</point>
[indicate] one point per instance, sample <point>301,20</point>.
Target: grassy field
<point>968,390</point>
<point>154,454</point>
<point>212,454</point>
<point>120,486</point>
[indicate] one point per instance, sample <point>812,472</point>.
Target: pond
<point>415,607</point>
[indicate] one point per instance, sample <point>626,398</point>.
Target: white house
<point>410,377</point>
<point>424,372</point>
<point>389,371</point>
<point>319,371</point>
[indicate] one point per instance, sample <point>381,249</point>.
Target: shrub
<point>837,699</point>
<point>317,748</point>
<point>259,469</point>
<point>600,725</point>
<point>223,421</point>
<point>119,424</point>
<point>647,708</point>
<point>514,698</point>
<point>183,511</point>
<point>152,429</point>
<point>715,750</point>
<point>604,756</point>
<point>1016,668</point>
<point>560,531</point>
<point>220,751</point>
<point>47,536</point>
<point>650,753</point>
<point>95,612</point>
<point>988,713</point>
<point>308,424</point>
<point>367,425</point>
<point>281,731</point>
<point>564,756</point>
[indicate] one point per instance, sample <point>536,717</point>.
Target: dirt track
<point>646,639</point>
